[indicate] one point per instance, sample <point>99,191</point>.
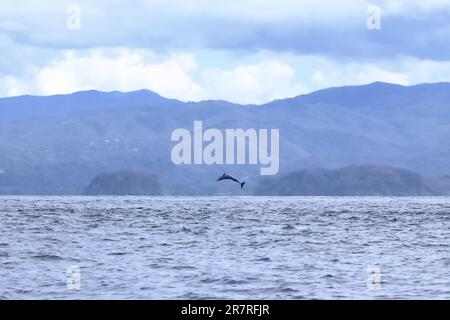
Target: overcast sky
<point>246,51</point>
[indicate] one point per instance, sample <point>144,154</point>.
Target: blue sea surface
<point>224,247</point>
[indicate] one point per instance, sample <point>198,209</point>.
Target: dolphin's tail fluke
<point>242,184</point>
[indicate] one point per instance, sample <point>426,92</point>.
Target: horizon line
<point>227,101</point>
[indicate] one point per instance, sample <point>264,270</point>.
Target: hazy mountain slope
<point>124,183</point>
<point>350,181</point>
<point>57,144</point>
<point>439,185</point>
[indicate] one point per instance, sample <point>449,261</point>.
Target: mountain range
<point>59,144</point>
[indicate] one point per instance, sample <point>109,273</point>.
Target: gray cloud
<point>424,34</point>
<point>319,43</point>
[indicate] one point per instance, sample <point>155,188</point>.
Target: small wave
<point>233,281</point>
<point>209,280</point>
<point>117,253</point>
<point>264,259</point>
<point>47,257</point>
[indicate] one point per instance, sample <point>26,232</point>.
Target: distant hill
<point>124,183</point>
<point>439,186</point>
<point>349,181</point>
<point>56,144</point>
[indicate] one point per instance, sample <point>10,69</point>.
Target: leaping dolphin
<point>228,177</point>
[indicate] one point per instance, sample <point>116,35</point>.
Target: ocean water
<point>224,248</point>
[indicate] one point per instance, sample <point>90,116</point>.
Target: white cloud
<point>33,14</point>
<point>256,83</point>
<point>171,76</point>
<point>122,70</point>
<point>414,7</point>
<point>180,75</point>
<point>402,70</point>
<point>330,73</point>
